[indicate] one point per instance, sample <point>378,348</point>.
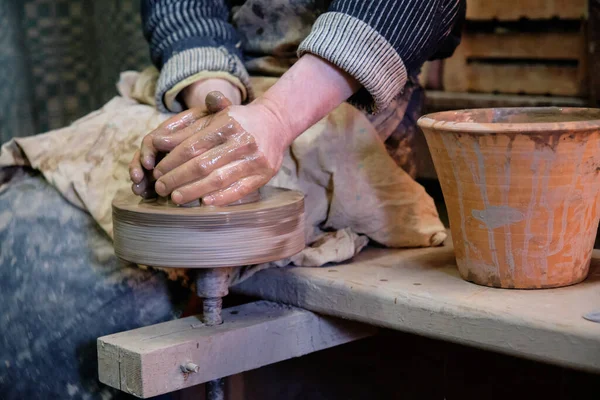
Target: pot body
<point>522,192</point>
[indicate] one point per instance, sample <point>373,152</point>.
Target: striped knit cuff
<point>358,49</point>
<point>188,63</point>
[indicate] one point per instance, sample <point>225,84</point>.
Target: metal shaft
<point>212,285</point>
<point>211,314</point>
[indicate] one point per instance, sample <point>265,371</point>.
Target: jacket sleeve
<point>191,38</point>
<point>381,42</point>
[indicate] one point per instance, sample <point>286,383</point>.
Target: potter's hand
<point>144,160</point>
<point>223,159</point>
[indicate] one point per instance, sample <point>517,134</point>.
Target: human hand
<point>239,150</point>
<point>226,156</point>
<point>145,159</point>
<point>194,95</point>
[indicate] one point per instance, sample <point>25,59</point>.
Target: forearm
<point>381,42</point>
<point>306,93</point>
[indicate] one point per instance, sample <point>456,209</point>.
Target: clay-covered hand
<point>145,159</point>
<point>239,150</point>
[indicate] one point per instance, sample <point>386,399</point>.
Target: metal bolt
<point>190,367</point>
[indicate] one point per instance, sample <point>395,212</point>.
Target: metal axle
<point>212,284</point>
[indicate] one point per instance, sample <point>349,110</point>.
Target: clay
<point>163,234</point>
<point>522,189</point>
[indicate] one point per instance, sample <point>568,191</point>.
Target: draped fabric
<point>61,59</point>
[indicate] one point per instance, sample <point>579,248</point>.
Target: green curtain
<point>61,59</point>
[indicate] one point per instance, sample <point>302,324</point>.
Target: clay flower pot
<point>522,187</point>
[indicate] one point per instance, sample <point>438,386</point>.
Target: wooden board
<point>536,45</point>
<point>532,9</point>
<point>594,52</point>
<point>444,101</point>
<point>147,362</point>
<point>519,62</point>
<point>530,79</point>
<point>420,291</point>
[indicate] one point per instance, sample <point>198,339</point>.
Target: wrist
<point>306,93</point>
<point>275,119</point>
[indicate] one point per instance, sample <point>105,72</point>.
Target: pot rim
<point>433,121</point>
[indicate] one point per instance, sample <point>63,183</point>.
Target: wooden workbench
<point>420,291</point>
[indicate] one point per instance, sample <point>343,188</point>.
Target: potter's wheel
<point>160,234</point>
<point>260,228</point>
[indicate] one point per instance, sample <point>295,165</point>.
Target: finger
<point>216,102</point>
<point>141,188</point>
<point>167,140</point>
<point>145,188</point>
<point>148,153</point>
<point>219,179</point>
<point>136,172</point>
<point>166,143</point>
<point>194,146</point>
<point>236,191</point>
<point>181,121</point>
<point>169,127</point>
<point>201,166</point>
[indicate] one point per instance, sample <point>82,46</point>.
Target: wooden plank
<point>420,291</point>
<point>594,52</point>
<point>532,9</point>
<point>510,78</point>
<point>443,101</point>
<point>527,45</point>
<point>482,64</point>
<point>108,358</point>
<point>148,360</point>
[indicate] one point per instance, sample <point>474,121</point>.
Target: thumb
<point>216,101</point>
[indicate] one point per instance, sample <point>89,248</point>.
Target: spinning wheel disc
<point>165,235</point>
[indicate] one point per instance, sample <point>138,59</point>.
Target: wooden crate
<point>504,10</point>
<point>538,63</point>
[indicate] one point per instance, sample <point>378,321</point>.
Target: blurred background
<point>61,59</point>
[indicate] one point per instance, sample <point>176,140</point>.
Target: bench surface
<point>420,291</point>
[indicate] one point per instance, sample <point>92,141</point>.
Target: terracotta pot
<point>521,186</point>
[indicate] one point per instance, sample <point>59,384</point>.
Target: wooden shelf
<point>420,291</point>
<point>439,100</point>
<point>534,9</point>
<point>536,63</point>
